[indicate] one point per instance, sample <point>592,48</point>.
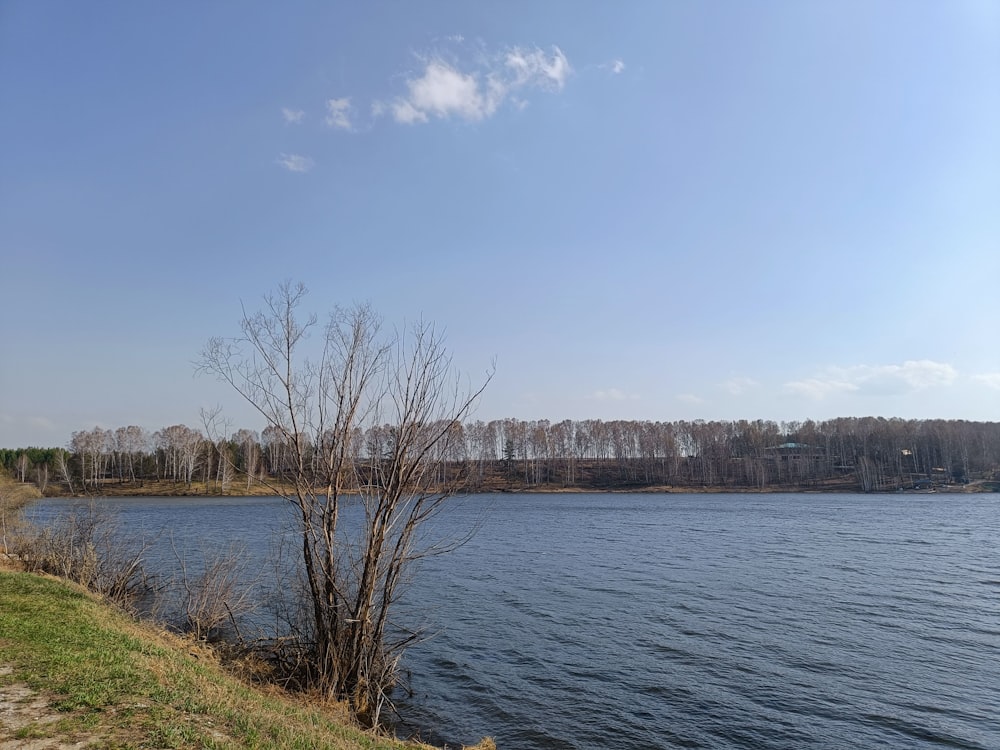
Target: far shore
<point>259,489</point>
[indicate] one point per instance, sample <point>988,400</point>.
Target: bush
<point>215,594</point>
<point>13,497</point>
<point>82,546</point>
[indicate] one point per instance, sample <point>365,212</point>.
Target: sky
<point>654,210</point>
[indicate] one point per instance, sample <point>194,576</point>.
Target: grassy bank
<point>73,670</point>
<point>163,488</point>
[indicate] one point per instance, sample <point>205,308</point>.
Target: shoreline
<point>74,670</point>
<point>197,490</point>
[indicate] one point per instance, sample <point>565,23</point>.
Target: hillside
<point>75,673</point>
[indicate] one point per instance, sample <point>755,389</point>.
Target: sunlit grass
<point>129,686</point>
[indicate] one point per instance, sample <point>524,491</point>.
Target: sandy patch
<point>23,710</point>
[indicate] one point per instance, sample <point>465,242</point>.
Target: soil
<point>24,710</point>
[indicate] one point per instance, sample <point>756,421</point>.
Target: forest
<point>868,454</point>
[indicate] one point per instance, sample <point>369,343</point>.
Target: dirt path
<point>27,720</point>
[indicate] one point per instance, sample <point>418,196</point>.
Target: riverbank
<point>74,672</point>
<point>164,488</point>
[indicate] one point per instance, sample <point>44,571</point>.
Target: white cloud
<point>738,386</point>
<point>612,394</point>
<point>989,379</point>
<point>30,420</point>
<point>921,374</point>
<point>690,398</point>
<point>295,162</point>
<point>30,429</point>
<point>533,67</point>
<point>884,380</point>
<point>615,66</point>
<point>338,113</point>
<point>292,116</point>
<point>443,90</point>
<point>820,387</point>
<point>402,111</point>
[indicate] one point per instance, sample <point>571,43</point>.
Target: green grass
<point>126,686</point>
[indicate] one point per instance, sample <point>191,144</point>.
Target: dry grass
<point>165,488</point>
<point>14,496</point>
<point>92,673</point>
<point>78,673</point>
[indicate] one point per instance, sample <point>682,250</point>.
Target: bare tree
<point>249,453</point>
<point>22,467</point>
<point>42,477</point>
<point>64,469</point>
<point>359,377</point>
<point>130,442</point>
<point>180,446</point>
<point>214,590</point>
<point>92,448</point>
<point>85,545</point>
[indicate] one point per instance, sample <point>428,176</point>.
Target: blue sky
<point>644,210</point>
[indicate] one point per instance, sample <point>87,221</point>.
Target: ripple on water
<point>699,621</point>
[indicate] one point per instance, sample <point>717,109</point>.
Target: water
<point>690,621</point>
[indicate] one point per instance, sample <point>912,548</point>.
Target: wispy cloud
<point>739,386</point>
<point>446,90</point>
<point>533,67</point>
<point>690,398</point>
<point>989,379</point>
<point>820,387</point>
<point>884,380</point>
<point>338,113</point>
<point>30,420</point>
<point>615,66</point>
<point>612,394</point>
<point>453,85</point>
<point>295,162</point>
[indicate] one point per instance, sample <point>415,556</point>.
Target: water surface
<point>696,621</point>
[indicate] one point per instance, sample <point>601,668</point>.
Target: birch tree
<point>247,444</point>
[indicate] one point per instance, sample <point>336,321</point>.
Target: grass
<point>13,497</point>
<point>165,488</point>
<point>122,685</point>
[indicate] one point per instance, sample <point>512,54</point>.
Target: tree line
<point>378,420</point>
<point>864,454</point>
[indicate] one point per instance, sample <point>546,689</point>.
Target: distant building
<point>795,459</point>
<point>796,452</point>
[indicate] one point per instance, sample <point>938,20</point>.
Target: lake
<point>683,621</point>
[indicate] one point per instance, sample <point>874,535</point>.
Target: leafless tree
<point>93,449</point>
<point>180,446</point>
<point>85,545</point>
<point>42,477</point>
<point>246,443</point>
<point>214,590</point>
<point>129,443</point>
<point>64,469</point>
<point>22,467</point>
<point>357,377</point>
